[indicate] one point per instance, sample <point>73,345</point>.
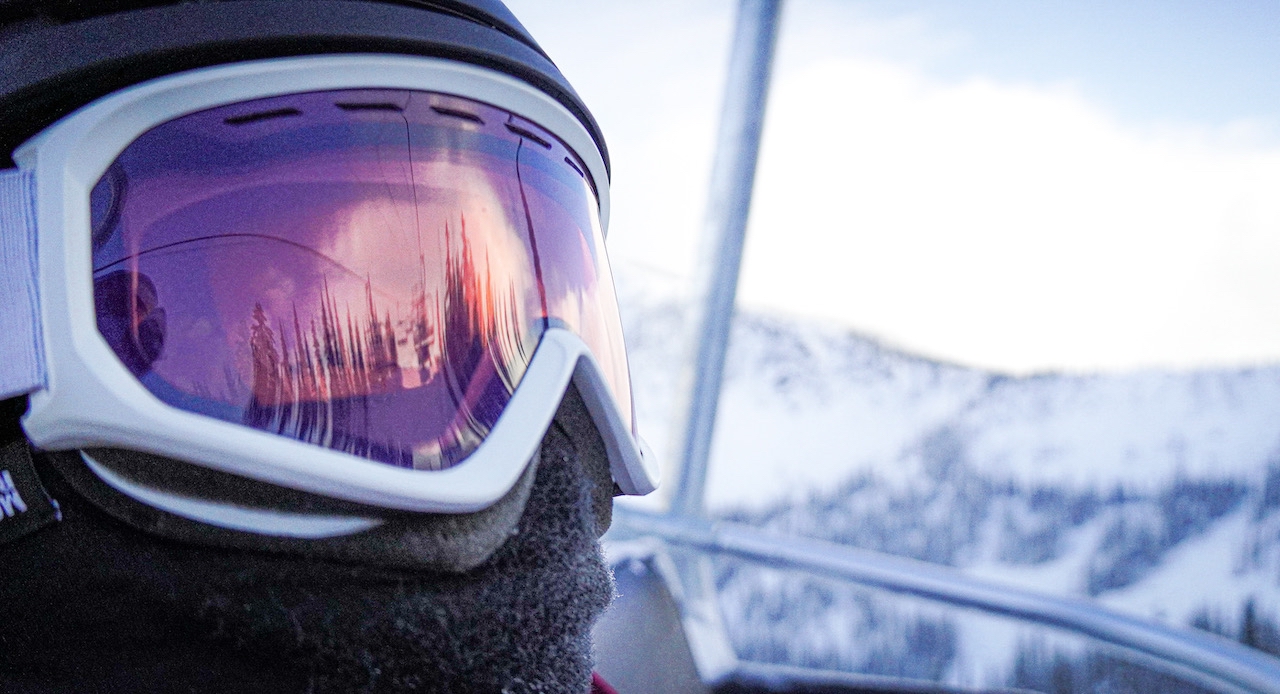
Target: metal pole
<point>732,177</point>
<point>1216,663</point>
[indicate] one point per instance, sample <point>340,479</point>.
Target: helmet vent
<point>528,135</point>
<point>377,106</point>
<point>262,115</point>
<point>454,113</point>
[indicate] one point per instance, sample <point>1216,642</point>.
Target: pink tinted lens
<point>366,270</point>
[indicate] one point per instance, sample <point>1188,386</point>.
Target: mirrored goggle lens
<point>366,270</point>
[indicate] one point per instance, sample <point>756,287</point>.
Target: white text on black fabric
<point>11,503</point>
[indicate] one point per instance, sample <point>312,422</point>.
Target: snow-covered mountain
<point>1156,492</point>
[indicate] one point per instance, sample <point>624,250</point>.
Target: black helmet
<point>58,55</point>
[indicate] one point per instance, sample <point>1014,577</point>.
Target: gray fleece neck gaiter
<point>92,604</point>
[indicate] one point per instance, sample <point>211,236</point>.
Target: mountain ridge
<point>1112,485</point>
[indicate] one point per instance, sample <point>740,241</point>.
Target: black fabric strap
<point>25,507</point>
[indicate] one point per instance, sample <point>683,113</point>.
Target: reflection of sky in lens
<point>1016,185</point>
<point>323,279</point>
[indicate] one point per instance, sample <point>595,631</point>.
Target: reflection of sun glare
<point>377,240</point>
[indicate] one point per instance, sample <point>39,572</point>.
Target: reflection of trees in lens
<point>321,390</point>
<point>332,377</point>
<point>482,343</point>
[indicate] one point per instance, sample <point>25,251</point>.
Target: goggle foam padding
<point>436,542</point>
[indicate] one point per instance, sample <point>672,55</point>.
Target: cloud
<point>1011,226</point>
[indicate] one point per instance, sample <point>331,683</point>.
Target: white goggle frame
<point>84,397</point>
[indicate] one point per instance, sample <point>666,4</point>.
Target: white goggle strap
<point>21,350</point>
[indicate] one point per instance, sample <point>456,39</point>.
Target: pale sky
<point>1020,186</point>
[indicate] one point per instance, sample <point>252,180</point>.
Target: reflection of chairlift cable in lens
<point>531,234</point>
<point>219,237</point>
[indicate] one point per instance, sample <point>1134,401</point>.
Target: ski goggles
<point>371,278</point>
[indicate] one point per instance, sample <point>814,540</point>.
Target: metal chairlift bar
<point>1204,657</point>
<point>732,178</point>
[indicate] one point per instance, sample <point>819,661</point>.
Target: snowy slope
<point>1156,492</point>
<point>806,406</point>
